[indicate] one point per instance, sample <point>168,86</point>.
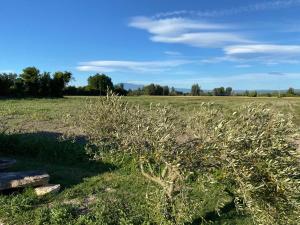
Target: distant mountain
<point>134,87</point>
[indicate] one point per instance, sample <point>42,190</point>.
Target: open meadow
<point>141,112</point>
<point>31,115</point>
<point>98,192</point>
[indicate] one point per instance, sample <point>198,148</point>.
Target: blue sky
<point>244,44</point>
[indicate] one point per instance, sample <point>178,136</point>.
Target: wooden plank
<point>11,180</point>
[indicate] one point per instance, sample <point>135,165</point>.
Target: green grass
<point>47,114</point>
<point>92,192</point>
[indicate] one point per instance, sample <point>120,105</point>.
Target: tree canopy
<point>195,90</point>
<point>100,84</point>
<point>32,83</point>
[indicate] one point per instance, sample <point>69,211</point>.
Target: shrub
<point>156,138</point>
<point>248,151</point>
<point>253,149</point>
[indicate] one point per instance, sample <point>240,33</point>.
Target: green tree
<point>100,83</point>
<point>253,94</point>
<point>173,91</point>
<point>59,82</point>
<point>291,92</point>
<point>228,91</point>
<point>166,90</point>
<point>156,89</point>
<point>159,90</point>
<point>120,90</point>
<point>45,84</point>
<point>6,83</point>
<point>219,91</point>
<point>195,90</point>
<point>30,77</point>
<point>149,89</point>
<point>18,87</point>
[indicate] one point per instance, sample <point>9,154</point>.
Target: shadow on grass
<point>227,215</point>
<point>66,162</point>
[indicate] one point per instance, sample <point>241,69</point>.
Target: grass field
<point>91,192</point>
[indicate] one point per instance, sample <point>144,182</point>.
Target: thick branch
<point>152,178</point>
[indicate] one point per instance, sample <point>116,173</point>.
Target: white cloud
<point>91,68</point>
<point>204,39</point>
<point>172,53</point>
<point>136,66</point>
<point>171,26</point>
<point>226,58</point>
<point>267,54</point>
<point>190,32</point>
<point>262,49</point>
<point>262,6</point>
<point>264,59</point>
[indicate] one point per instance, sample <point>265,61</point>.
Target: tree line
<point>291,92</point>
<point>155,89</point>
<point>98,84</point>
<point>33,83</point>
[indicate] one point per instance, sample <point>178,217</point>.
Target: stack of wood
<point>16,180</point>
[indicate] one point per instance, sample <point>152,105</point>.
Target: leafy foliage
<point>6,81</point>
<point>253,150</point>
<point>221,91</point>
<point>100,84</point>
<point>196,90</point>
<point>249,151</point>
<point>32,83</point>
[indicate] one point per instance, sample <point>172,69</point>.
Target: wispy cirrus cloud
<point>267,54</point>
<point>262,6</point>
<point>173,25</point>
<point>264,60</point>
<point>262,49</point>
<point>234,46</point>
<point>173,53</point>
<point>232,39</point>
<point>203,39</point>
<point>189,32</point>
<point>135,66</point>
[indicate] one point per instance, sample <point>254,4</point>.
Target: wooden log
<point>6,163</point>
<point>10,180</point>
